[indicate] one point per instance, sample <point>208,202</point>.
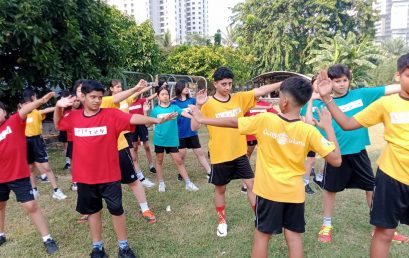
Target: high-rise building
<point>180,17</point>
<point>393,19</point>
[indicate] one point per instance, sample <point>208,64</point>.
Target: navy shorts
<point>223,173</point>
<point>189,142</point>
<point>141,133</point>
<point>161,149</point>
<point>21,188</point>
<point>36,150</point>
<point>128,173</point>
<point>128,137</point>
<point>62,136</point>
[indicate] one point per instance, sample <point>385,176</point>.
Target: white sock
<point>45,238</point>
<point>151,166</point>
<point>140,175</point>
<point>161,182</point>
<point>67,160</point>
<point>43,176</point>
<point>327,221</point>
<point>2,234</point>
<point>319,177</point>
<point>187,181</point>
<point>306,180</point>
<point>144,206</point>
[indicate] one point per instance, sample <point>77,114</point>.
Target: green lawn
<point>189,229</point>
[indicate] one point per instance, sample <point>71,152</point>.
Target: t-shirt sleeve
<point>247,100</point>
<point>121,120</point>
<point>371,115</point>
<point>18,122</point>
<point>193,101</point>
<point>320,144</point>
<point>178,109</point>
<point>372,94</point>
<point>250,125</point>
<point>108,102</point>
<point>65,122</point>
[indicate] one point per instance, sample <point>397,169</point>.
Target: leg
<point>368,195</point>
<point>32,176</point>
<point>159,166</point>
<point>95,226</point>
<point>2,215</point>
<point>250,150</point>
<point>219,192</point>
<point>294,243</point>
<point>180,165</point>
<point>329,203</point>
<point>36,215</point>
<point>119,223</point>
<point>45,168</point>
<point>148,152</point>
<point>250,195</point>
<point>138,191</point>
<point>135,147</point>
<point>182,153</point>
<point>202,159</point>
<point>260,244</point>
<point>381,241</point>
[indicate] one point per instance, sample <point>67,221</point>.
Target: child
<point>390,203</point>
<point>15,173</point>
<point>283,142</point>
<point>188,139</point>
<point>228,163</point>
<point>37,155</point>
<point>356,170</point>
<point>95,143</point>
<point>165,138</point>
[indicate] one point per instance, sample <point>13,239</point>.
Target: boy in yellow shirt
<point>390,201</point>
<point>283,143</point>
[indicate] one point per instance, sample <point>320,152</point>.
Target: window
<point>125,5</point>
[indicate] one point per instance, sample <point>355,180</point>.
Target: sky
<point>219,14</point>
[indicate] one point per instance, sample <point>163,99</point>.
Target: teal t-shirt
<point>350,142</point>
<point>166,134</point>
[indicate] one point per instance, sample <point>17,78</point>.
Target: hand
<point>47,97</point>
<point>141,85</point>
<point>324,85</point>
<point>168,117</point>
<point>325,118</point>
<point>66,102</point>
<point>315,95</point>
<point>195,112</point>
<point>201,97</point>
<point>146,106</point>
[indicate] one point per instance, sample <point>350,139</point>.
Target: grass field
<point>188,230</point>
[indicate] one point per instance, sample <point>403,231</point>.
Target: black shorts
<point>62,136</point>
<point>36,150</point>
<point>161,149</point>
<point>223,173</point>
<point>90,197</point>
<point>251,143</point>
<point>69,150</point>
<point>141,133</point>
<point>272,217</point>
<point>128,137</point>
<point>128,173</point>
<point>390,202</point>
<point>21,188</point>
<point>311,154</point>
<point>354,172</point>
<point>189,142</point>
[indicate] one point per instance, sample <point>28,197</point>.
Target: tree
<point>165,41</point>
<point>198,40</point>
<point>281,33</point>
<point>218,38</point>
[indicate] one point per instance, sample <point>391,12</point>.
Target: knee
<point>116,209</point>
<point>31,206</point>
<point>220,189</point>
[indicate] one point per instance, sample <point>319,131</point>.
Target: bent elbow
<point>336,162</point>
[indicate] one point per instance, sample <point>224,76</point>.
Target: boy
<point>356,170</point>
<point>283,143</point>
<point>95,165</point>
<point>390,204</point>
<point>228,163</point>
<point>15,173</point>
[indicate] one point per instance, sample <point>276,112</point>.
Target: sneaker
<point>152,170</point>
<point>126,253</point>
<point>191,187</point>
<point>147,183</point>
<point>319,183</point>
<point>243,190</point>
<point>149,216</point>
<point>59,195</point>
<point>312,173</point>
<point>36,194</point>
<point>43,179</point>
<point>2,240</point>
<point>67,166</point>
<point>208,176</point>
<point>162,188</point>
<point>50,246</point>
<point>180,178</point>
<point>96,253</point>
<point>325,234</point>
<point>74,187</point>
<point>398,238</point>
<point>83,219</point>
<point>308,190</point>
<point>222,230</point>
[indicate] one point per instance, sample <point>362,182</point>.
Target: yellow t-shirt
<point>34,123</point>
<point>226,144</point>
<point>281,151</point>
<point>393,112</point>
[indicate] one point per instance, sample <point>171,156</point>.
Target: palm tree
<point>395,47</point>
<point>165,41</point>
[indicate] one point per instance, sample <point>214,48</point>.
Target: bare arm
<point>153,96</point>
<point>59,108</point>
<point>27,108</point>
<point>47,110</point>
<point>120,96</point>
<point>308,113</point>
<point>266,89</point>
<point>201,98</point>
<point>231,122</point>
<point>186,114</point>
<point>146,120</point>
<point>392,89</point>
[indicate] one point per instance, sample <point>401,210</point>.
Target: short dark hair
<point>223,73</point>
<point>299,88</point>
<point>403,63</point>
<point>339,70</point>
<point>28,95</point>
<point>179,87</point>
<point>161,88</point>
<point>66,93</point>
<point>2,106</point>
<point>77,84</point>
<point>91,85</point>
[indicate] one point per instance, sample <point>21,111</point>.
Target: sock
<point>2,234</point>
<point>140,175</point>
<point>327,221</point>
<point>55,189</point>
<point>97,245</point>
<point>221,214</point>
<point>43,176</point>
<point>35,188</point>
<point>144,206</point>
<point>187,181</point>
<point>67,160</point>
<point>45,238</point>
<point>123,244</point>
<point>151,166</point>
<point>319,177</point>
<point>306,180</point>
<point>161,182</point>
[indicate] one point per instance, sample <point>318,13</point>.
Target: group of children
<point>276,192</point>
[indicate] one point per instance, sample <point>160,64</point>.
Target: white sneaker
<point>191,187</point>
<point>162,188</point>
<point>222,230</point>
<point>59,195</point>
<point>74,187</point>
<point>147,183</point>
<point>36,194</point>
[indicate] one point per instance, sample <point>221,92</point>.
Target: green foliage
<point>218,38</point>
<point>360,55</point>
<point>281,33</point>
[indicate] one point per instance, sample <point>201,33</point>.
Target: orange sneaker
<point>149,216</point>
<point>83,219</point>
<point>325,234</point>
<point>398,238</point>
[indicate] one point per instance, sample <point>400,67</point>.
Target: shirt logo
<point>399,117</point>
<point>230,113</point>
<point>29,120</point>
<point>5,132</point>
<point>282,138</point>
<point>257,111</point>
<point>351,105</point>
<point>135,107</point>
<point>92,131</point>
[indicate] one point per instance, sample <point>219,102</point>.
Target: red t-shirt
<point>253,112</point>
<point>95,139</point>
<point>13,150</point>
<point>137,107</point>
<point>69,132</point>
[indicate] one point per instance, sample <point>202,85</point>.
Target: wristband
<point>326,103</point>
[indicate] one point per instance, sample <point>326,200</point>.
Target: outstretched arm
<point>47,110</point>
<point>142,84</point>
<point>266,89</point>
<point>27,108</point>
<point>201,98</point>
<point>59,108</point>
<point>392,89</point>
<point>231,122</point>
<point>146,120</point>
